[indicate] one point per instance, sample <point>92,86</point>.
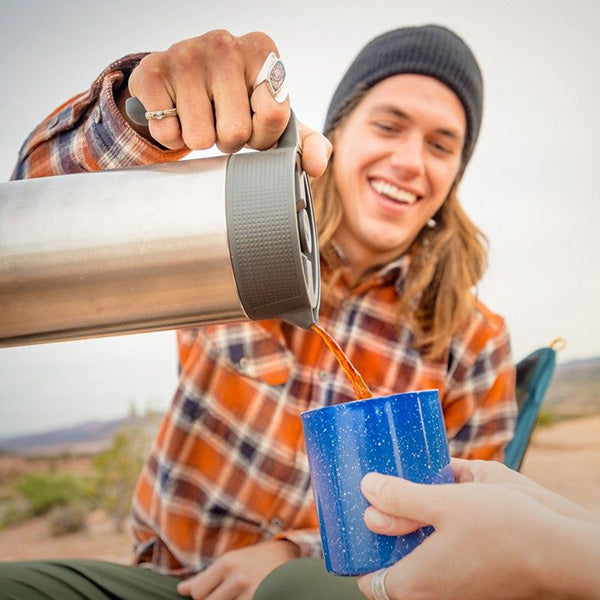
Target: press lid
<point>272,234</point>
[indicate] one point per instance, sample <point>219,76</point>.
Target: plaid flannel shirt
<point>228,466</point>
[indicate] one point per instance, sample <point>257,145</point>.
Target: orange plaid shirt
<point>228,467</point>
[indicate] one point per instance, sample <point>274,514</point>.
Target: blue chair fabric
<point>534,374</point>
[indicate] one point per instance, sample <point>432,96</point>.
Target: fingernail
<point>379,520</point>
<point>372,483</point>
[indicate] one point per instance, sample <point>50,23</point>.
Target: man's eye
<point>386,127</point>
<point>441,147</point>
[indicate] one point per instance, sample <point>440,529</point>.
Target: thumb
<point>402,498</point>
<point>316,150</point>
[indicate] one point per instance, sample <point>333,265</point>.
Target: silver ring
<point>160,114</point>
<point>378,585</point>
<point>273,72</point>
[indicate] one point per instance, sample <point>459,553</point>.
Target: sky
<point>532,185</point>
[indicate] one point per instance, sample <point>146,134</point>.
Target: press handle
<point>289,138</point>
<point>135,111</point>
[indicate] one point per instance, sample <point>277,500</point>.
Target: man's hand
<point>237,574</point>
<point>209,80</point>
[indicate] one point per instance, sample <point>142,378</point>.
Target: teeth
<point>393,192</point>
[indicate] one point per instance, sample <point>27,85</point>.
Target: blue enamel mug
<point>402,435</point>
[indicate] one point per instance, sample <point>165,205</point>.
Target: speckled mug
<point>401,435</point>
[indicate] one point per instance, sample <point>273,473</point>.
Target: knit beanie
<point>428,50</point>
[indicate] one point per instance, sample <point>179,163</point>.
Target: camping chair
<point>534,374</point>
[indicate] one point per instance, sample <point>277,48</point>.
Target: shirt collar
<point>393,272</point>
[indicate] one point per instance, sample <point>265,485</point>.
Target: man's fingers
<point>379,522</point>
<point>202,584</point>
<point>269,118</point>
<point>147,84</point>
<point>316,150</point>
<point>210,80</point>
<point>401,498</point>
<point>232,587</point>
<point>232,113</point>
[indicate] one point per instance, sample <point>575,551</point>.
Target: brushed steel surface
<point>121,251</point>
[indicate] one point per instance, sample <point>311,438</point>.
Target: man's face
<point>396,157</point>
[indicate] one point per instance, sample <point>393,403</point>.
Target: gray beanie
<point>428,50</point>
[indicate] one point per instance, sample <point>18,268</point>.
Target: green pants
<point>301,579</point>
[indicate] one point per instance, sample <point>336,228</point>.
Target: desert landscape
<point>564,457</point>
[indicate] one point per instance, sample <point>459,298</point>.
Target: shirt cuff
<point>307,540</point>
<point>110,138</point>
<point>88,133</point>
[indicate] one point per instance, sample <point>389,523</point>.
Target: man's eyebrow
<point>397,112</point>
<point>391,109</point>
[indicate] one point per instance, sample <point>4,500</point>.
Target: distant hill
<point>575,389</point>
<point>90,437</point>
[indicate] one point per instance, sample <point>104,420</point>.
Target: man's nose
<point>407,156</point>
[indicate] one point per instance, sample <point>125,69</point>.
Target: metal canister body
<point>120,251</point>
<point>159,247</point>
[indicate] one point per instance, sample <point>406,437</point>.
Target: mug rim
<point>352,403</point>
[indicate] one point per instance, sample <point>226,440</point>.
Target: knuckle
<point>236,133</point>
<point>239,581</point>
<point>222,42</point>
<point>276,117</point>
<point>260,43</point>
<point>183,54</point>
<point>151,68</point>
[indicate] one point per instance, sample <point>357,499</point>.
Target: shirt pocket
<point>251,351</point>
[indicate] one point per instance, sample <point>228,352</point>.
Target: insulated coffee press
<point>163,246</point>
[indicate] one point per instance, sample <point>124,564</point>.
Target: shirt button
<point>276,522</point>
<point>243,364</point>
<point>53,121</point>
<point>324,376</point>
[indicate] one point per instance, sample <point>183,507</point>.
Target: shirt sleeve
<point>480,406</point>
<point>88,133</point>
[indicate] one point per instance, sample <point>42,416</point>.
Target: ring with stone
<point>160,114</point>
<point>273,73</point>
<point>378,585</point>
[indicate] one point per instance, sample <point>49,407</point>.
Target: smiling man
<point>224,498</point>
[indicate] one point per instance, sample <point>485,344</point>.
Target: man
<point>224,498</point>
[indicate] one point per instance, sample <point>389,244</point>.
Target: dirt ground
<point>564,457</point>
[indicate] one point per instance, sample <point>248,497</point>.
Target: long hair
<point>446,262</point>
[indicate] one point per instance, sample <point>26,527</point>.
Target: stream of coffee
<point>359,387</point>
